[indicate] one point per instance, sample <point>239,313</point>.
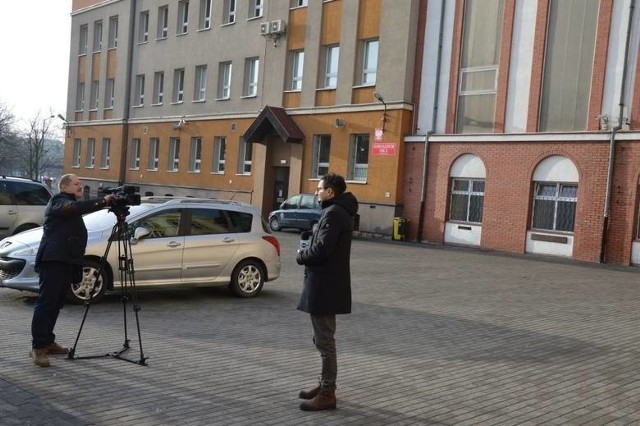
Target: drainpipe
<point>612,142</point>
<point>127,95</point>
<point>434,116</point>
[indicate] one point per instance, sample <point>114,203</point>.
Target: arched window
<point>467,189</point>
<point>555,195</point>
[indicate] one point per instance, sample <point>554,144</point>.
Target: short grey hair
<point>65,180</point>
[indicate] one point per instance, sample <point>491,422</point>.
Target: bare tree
<point>34,149</point>
<point>8,140</point>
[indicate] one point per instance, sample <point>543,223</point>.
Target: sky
<point>35,49</point>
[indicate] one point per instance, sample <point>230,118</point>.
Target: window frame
<point>83,40</point>
<point>113,33</point>
<point>224,80</point>
<point>251,76</point>
<point>90,158</point>
<point>369,71</point>
<point>195,155</point>
<point>77,153</point>
<point>94,101</point>
<point>97,36</point>
<point>468,193</point>
<point>173,162</point>
<point>229,12</point>
<point>143,27</point>
<point>140,82</point>
<point>330,66</point>
<point>183,17</point>
<point>109,93</point>
<point>178,86</point>
<point>200,85</point>
<point>134,154</point>
<point>245,156</point>
<point>296,70</point>
<point>158,88</point>
<point>153,159</point>
<point>206,8</point>
<point>256,9</point>
<point>320,168</point>
<point>163,23</point>
<point>219,154</point>
<point>356,167</point>
<point>557,198</point>
<point>105,153</point>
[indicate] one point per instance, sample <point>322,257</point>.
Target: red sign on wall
<point>383,148</point>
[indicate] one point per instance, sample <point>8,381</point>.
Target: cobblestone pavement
<point>438,336</point>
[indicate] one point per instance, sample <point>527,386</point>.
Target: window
<point>97,36</point>
<point>255,8</point>
<point>83,45</point>
<point>358,157</point>
<point>369,62</point>
<point>174,154</point>
<point>467,199</point>
<point>219,154</point>
<point>224,81</point>
<point>229,14</point>
<point>244,158</point>
<point>205,14</point>
<point>163,22</point>
<point>195,155</point>
<point>143,29</point>
<point>479,61</point>
<point>94,95</point>
<point>200,89</point>
<point>555,194</point>
<point>162,225</point>
<point>77,144</point>
<point>105,159</point>
<point>183,17</point>
<point>298,3</point>
<point>208,221</point>
<point>330,76</point>
<point>154,148</point>
<point>568,65</point>
<point>80,97</point>
<point>139,100</point>
<point>251,68</point>
<point>113,32</point>
<point>178,85</point>
<point>296,67</point>
<point>158,87</point>
<point>90,159</point>
<point>134,154</point>
<point>321,149</point>
<point>109,95</point>
<point>554,206</point>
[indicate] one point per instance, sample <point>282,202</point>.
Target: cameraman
<point>59,262</point>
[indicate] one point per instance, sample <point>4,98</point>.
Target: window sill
<point>152,170</point>
<point>194,172</point>
<point>198,101</point>
<point>359,182</point>
<point>223,99</point>
<point>217,173</point>
<point>177,102</point>
<point>248,96</point>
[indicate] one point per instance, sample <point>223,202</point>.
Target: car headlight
<point>29,251</point>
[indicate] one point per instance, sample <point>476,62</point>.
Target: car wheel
<point>247,279</point>
<point>93,284</point>
<point>25,227</point>
<point>274,224</point>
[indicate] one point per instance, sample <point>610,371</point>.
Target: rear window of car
<point>240,221</point>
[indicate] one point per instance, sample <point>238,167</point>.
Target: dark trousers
<point>55,279</point>
<point>324,329</point>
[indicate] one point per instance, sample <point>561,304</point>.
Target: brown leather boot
<point>40,357</point>
<point>309,394</point>
<point>324,400</point>
<point>56,349</point>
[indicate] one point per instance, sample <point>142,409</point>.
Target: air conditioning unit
<point>278,26</point>
<point>265,28</point>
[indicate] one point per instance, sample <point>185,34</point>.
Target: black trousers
<point>55,279</point>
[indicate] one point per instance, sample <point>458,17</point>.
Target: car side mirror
<point>140,233</point>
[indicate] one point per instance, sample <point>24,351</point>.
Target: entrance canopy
<point>273,120</point>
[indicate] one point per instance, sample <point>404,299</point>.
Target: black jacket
<point>327,274</point>
<point>65,235</point>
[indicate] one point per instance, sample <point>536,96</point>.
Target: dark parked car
<point>300,211</point>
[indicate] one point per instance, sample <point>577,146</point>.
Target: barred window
<point>554,206</point>
<point>467,200</point>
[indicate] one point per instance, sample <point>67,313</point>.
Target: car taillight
<point>274,242</point>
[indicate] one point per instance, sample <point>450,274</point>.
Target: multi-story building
<point>526,137</point>
<point>252,100</point>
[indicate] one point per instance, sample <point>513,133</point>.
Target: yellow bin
<point>399,228</point>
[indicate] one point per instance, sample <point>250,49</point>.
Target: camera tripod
<point>120,233</point>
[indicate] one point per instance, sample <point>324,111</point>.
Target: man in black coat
<point>59,262</point>
<point>327,282</point>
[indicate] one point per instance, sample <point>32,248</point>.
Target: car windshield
<point>103,219</point>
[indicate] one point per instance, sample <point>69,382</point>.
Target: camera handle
<point>120,233</point>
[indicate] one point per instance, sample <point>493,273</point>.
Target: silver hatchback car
<point>176,241</point>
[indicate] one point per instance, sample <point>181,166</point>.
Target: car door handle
<point>12,212</point>
<point>228,240</point>
<point>174,244</point>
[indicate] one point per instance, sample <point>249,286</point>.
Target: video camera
<point>125,196</point>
